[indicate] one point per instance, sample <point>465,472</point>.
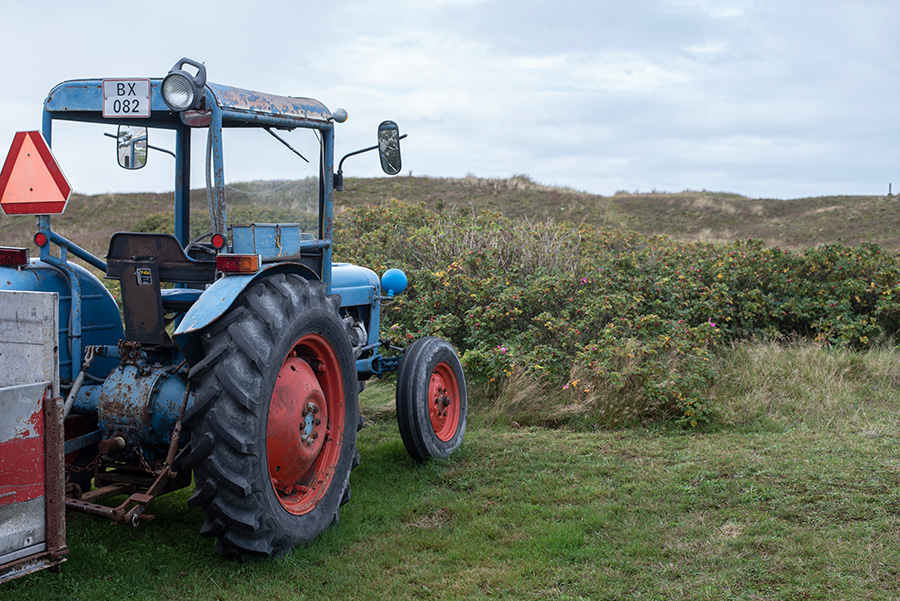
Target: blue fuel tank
<point>101,321</point>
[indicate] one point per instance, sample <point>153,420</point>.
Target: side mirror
<point>389,147</point>
<point>131,146</point>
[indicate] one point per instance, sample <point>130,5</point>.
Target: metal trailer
<point>238,356</point>
<point>32,520</point>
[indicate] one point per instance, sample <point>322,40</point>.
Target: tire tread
<point>229,383</point>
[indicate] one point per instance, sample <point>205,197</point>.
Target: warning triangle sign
<point>31,182</point>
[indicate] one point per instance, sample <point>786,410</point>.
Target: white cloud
<point>716,9</point>
<point>762,98</point>
<point>707,49</point>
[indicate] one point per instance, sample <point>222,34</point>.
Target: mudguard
<point>219,297</point>
<point>356,285</point>
<point>214,302</point>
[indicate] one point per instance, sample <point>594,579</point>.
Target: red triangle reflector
<point>31,182</point>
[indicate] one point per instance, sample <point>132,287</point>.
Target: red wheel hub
<point>305,428</point>
<point>443,402</point>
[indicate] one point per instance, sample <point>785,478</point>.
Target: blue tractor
<point>238,356</point>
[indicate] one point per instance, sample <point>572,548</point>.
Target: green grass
<point>792,496</point>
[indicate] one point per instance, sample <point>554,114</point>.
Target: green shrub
<point>611,326</point>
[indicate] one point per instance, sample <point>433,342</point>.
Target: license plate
<point>126,97</point>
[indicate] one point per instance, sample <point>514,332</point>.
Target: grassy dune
<point>687,215</point>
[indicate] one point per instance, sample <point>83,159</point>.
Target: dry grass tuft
<point>525,400</point>
<point>807,383</point>
<point>769,384</point>
<point>594,399</point>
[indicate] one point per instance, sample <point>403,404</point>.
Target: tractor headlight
<point>178,91</point>
<point>181,90</point>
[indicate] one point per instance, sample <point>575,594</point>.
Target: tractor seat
<point>141,262</point>
<point>172,264</point>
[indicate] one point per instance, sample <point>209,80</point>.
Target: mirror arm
<point>356,152</point>
<point>165,150</point>
<point>339,176</point>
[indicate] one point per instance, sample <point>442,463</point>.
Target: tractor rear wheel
<point>431,399</point>
<point>274,419</point>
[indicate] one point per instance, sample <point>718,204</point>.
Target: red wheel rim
<point>443,402</point>
<point>305,429</point>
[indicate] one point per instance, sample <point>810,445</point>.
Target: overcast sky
<point>766,98</point>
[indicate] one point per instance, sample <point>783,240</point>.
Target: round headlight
<point>178,91</point>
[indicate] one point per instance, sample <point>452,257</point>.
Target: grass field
<point>797,496</point>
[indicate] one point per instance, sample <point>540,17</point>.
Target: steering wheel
<point>195,243</point>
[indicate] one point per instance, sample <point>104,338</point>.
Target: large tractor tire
<point>274,419</point>
<point>431,399</point>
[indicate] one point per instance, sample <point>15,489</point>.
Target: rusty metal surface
<point>142,487</point>
<point>130,353</point>
<point>141,403</point>
<point>27,565</point>
<point>54,477</point>
<point>215,196</point>
<point>299,109</point>
<point>105,492</point>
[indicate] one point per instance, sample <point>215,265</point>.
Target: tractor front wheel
<point>431,399</point>
<point>274,420</point>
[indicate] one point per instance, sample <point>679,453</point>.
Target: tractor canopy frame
<point>220,107</point>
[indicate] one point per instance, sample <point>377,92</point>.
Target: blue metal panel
<point>218,298</point>
<point>88,396</point>
<point>87,95</point>
<point>355,296</point>
<point>359,287</point>
<point>271,240</point>
<point>346,276</point>
<point>360,284</point>
<point>82,100</point>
